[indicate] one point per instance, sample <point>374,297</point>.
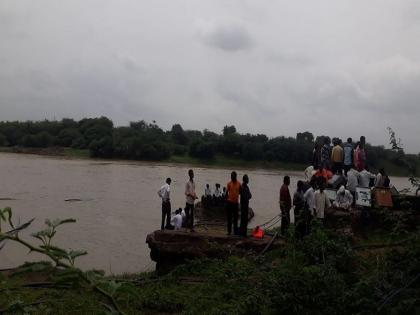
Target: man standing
<point>360,155</point>
<point>365,178</point>
<point>245,197</point>
<point>233,188</point>
<point>299,204</point>
<point>164,193</point>
<point>337,158</point>
<point>190,198</point>
<point>321,201</point>
<point>348,155</point>
<point>298,199</point>
<point>309,209</point>
<point>352,181</point>
<point>325,154</point>
<point>309,196</point>
<point>285,204</point>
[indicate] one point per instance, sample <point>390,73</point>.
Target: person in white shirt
<point>217,192</point>
<point>379,180</point>
<point>308,172</point>
<point>309,206</point>
<point>207,191</point>
<point>164,193</point>
<point>321,202</point>
<point>344,199</point>
<point>217,195</point>
<point>352,180</point>
<point>177,219</point>
<point>184,220</point>
<point>207,199</point>
<point>364,178</point>
<point>309,197</point>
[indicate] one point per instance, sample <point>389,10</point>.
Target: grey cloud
<point>227,37</point>
<point>275,67</point>
<point>290,59</point>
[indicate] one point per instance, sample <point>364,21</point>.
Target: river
<point>119,204</point>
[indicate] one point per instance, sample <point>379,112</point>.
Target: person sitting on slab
<point>344,199</point>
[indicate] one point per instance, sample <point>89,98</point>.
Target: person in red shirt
<point>285,204</point>
<point>323,172</point>
<point>232,203</point>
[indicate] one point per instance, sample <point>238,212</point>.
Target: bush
<point>3,140</point>
<point>68,136</point>
<point>179,149</point>
<point>202,150</point>
<point>40,140</point>
<point>101,148</point>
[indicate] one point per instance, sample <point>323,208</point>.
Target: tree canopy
<point>141,140</point>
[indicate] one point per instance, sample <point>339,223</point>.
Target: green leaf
<point>56,251</point>
<point>76,253</point>
<point>8,210</point>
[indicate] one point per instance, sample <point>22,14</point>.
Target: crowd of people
<point>233,195</point>
<point>342,167</point>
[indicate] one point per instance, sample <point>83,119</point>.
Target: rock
<point>170,248</point>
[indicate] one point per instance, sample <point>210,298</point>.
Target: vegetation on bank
<point>147,141</point>
<point>322,273</point>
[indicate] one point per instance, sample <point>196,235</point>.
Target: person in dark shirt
<point>298,200</point>
<point>316,156</point>
<point>325,154</point>
<point>285,204</point>
<point>245,194</point>
<point>299,204</point>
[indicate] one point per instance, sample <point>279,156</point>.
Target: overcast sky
<point>339,68</point>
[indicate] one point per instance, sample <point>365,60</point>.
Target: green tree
<point>178,135</point>
<point>305,137</point>
<point>101,147</point>
<point>202,150</point>
<point>252,151</point>
<point>229,130</point>
<point>3,140</point>
<point>68,136</point>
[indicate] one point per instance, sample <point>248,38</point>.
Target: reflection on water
<point>115,203</point>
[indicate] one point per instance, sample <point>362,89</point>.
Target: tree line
<point>147,141</point>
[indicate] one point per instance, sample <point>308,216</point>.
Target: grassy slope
<point>234,286</point>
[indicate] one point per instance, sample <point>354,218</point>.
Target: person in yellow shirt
<point>337,155</point>
<point>232,203</point>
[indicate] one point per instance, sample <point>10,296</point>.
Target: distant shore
<point>218,161</point>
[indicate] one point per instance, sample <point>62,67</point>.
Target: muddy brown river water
<point>115,204</point>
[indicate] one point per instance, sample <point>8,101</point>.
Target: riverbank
<point>323,273</point>
<point>364,265</point>
<point>218,162</point>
